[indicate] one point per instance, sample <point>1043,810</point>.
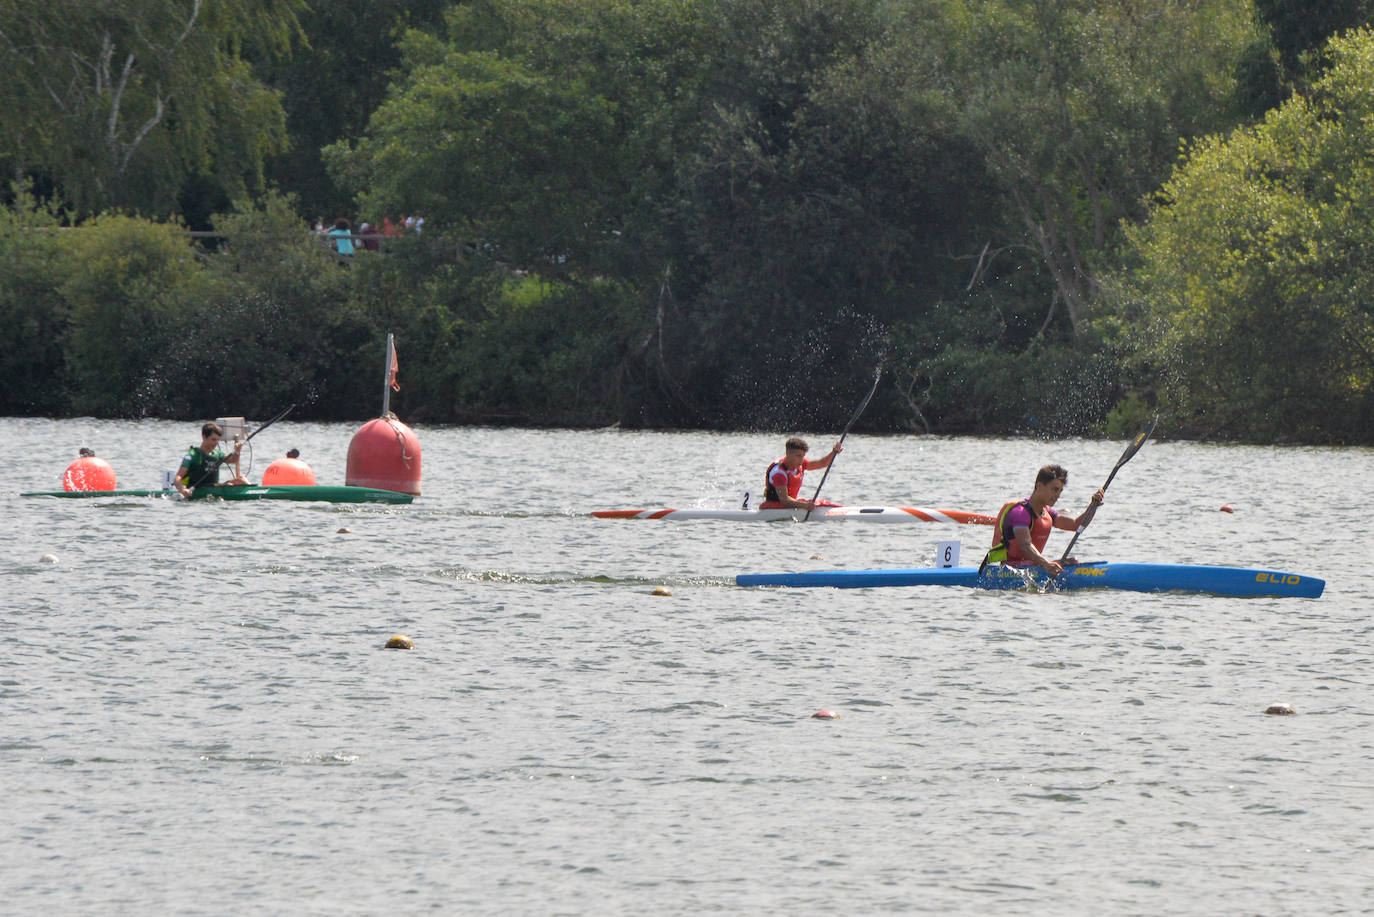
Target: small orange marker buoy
<point>825,715</point>
<point>345,531</point>
<point>1280,710</point>
<point>1227,508</point>
<point>661,590</point>
<point>400,642</point>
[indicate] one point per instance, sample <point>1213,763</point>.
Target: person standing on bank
<point>783,480</point>
<point>342,235</point>
<point>200,466</point>
<point>1024,526</point>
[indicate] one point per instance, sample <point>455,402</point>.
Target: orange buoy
<point>290,470</point>
<point>89,473</point>
<point>385,453</point>
<point>825,715</point>
<point>1227,508</point>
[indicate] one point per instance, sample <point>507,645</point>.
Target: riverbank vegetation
<point>1050,216</point>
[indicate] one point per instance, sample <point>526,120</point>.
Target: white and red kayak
<point>820,514</point>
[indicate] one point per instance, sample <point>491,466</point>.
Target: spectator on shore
<point>342,236</point>
<point>368,232</point>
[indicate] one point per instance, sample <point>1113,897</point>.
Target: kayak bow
<point>1236,581</point>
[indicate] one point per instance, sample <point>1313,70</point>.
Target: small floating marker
<point>825,715</point>
<point>818,557</point>
<point>48,559</point>
<point>661,590</point>
<point>400,642</point>
<point>1227,508</point>
<point>345,531</point>
<point>1281,710</point>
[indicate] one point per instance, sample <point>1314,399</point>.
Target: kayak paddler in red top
<point>783,480</point>
<point>1023,526</point>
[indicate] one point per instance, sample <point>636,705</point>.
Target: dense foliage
<point>1252,300</point>
<point>694,212</point>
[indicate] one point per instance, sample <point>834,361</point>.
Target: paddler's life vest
<point>202,470</point>
<point>794,481</point>
<point>1004,546</point>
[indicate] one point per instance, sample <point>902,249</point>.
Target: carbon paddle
<point>269,423</point>
<point>1126,456</point>
<point>877,374</point>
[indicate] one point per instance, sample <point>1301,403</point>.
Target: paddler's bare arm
<point>825,462</point>
<point>1028,551</point>
<point>233,460</point>
<point>1073,523</point>
<point>790,501</point>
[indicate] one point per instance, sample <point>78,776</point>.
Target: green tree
<point>33,360</point>
<point>118,103</point>
<point>330,85</point>
<point>1078,107</point>
<point>125,282</point>
<point>1251,296</point>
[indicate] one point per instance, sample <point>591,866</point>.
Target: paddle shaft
<point>269,423</point>
<point>877,374</point>
<point>1126,456</point>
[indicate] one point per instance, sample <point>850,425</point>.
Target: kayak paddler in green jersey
<point>200,466</point>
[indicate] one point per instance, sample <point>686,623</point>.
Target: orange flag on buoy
<point>391,358</point>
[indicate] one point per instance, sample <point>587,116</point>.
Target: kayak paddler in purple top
<point>1023,526</point>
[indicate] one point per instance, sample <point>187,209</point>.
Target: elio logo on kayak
<point>1285,578</point>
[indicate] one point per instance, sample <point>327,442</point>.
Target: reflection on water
<point>196,706</point>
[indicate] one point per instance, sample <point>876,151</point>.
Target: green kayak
<point>251,492</point>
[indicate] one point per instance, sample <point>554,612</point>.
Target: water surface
<point>197,715</point>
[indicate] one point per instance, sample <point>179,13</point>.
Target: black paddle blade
<point>877,374</point>
<point>270,422</point>
<point>1132,449</point>
<point>1139,441</point>
<point>1126,456</point>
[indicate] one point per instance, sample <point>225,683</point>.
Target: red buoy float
<point>89,473</point>
<point>385,453</point>
<point>289,471</point>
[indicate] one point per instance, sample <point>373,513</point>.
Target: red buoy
<point>385,453</point>
<point>89,473</point>
<point>290,471</point>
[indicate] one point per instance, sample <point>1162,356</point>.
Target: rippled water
<point>197,715</point>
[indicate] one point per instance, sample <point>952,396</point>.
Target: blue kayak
<point>1132,577</point>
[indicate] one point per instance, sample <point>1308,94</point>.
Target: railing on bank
<point>360,240</point>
